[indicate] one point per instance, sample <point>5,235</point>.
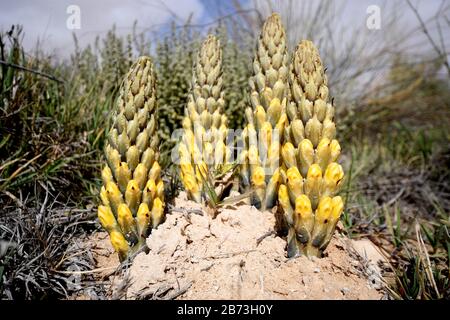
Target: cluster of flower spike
<point>261,137</point>
<point>133,192</point>
<point>289,153</point>
<point>311,176</point>
<point>203,147</point>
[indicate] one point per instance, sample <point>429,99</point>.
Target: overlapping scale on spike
<point>309,111</point>
<point>132,193</point>
<point>260,156</point>
<point>311,176</point>
<point>203,148</point>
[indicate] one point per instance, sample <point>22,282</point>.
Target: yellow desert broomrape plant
<point>311,177</point>
<point>259,170</point>
<point>289,151</point>
<point>202,150</point>
<point>132,194</point>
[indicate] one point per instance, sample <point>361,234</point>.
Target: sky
<point>46,20</point>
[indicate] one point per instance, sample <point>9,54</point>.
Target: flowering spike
<point>129,185</point>
<point>311,130</point>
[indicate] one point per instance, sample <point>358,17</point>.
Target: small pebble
<point>345,290</point>
<point>316,270</point>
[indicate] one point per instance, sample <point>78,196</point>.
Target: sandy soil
<point>193,256</point>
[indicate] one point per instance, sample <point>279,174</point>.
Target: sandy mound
<point>231,257</point>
